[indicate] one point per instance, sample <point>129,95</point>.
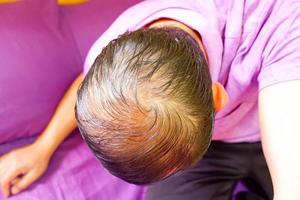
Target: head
<point>146,106</point>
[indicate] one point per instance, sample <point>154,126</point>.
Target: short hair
<point>145,108</point>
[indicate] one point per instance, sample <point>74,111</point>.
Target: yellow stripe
<point>8,1</point>
<point>71,2</point>
<point>61,2</point>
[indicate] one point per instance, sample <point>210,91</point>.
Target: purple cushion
<point>39,60</point>
<point>42,47</point>
<point>89,20</point>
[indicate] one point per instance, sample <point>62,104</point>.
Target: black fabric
<point>216,175</point>
<point>248,196</point>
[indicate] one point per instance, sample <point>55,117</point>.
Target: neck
<point>175,24</point>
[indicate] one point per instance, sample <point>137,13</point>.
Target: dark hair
<point>145,108</point>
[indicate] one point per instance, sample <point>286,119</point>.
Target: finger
<point>15,181</point>
<point>5,164</point>
<point>24,182</point>
<point>7,178</point>
<point>2,165</point>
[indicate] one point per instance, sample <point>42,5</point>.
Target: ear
<point>220,96</point>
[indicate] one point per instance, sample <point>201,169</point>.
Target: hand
<point>21,167</point>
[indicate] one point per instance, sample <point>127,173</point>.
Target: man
<point>253,52</point>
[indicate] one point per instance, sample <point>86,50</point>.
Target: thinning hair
<point>145,108</point>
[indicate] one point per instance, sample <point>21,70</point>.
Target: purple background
<point>42,49</point>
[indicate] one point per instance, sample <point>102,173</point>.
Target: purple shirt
<point>250,45</point>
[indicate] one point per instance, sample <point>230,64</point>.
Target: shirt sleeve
<point>282,63</point>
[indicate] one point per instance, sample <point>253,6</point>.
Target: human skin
<point>62,123</point>
<point>32,160</point>
<point>279,110</point>
<point>280,133</point>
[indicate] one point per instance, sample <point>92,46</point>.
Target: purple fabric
<point>250,44</point>
<point>38,60</point>
<point>42,46</point>
<point>89,20</point>
<point>75,174</point>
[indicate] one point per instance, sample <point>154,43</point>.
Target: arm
<point>63,121</point>
<point>279,110</point>
<point>31,161</point>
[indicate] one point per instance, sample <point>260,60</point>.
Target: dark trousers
<point>215,176</point>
